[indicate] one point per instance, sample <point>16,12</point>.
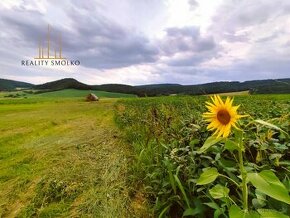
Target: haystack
<point>92,97</point>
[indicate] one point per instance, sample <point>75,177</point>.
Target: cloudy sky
<point>149,41</point>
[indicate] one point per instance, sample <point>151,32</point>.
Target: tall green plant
<point>222,116</point>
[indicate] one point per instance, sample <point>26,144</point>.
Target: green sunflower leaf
<point>236,212</point>
<point>268,183</point>
<point>231,145</point>
<point>219,191</point>
<point>210,141</point>
<point>208,176</point>
<point>270,125</point>
<point>267,213</point>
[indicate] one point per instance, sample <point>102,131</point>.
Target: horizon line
<point>168,83</point>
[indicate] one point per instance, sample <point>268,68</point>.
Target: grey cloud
<point>107,45</point>
<point>231,37</point>
<point>190,46</point>
<point>104,44</point>
<point>193,4</point>
<point>234,15</point>
<point>20,26</point>
<point>270,37</point>
<point>96,41</point>
<point>253,24</point>
<point>182,75</point>
<point>95,37</point>
<point>88,5</point>
<point>25,38</point>
<point>186,39</point>
<point>274,66</point>
<point>254,69</point>
<point>191,31</point>
<point>189,60</point>
<point>287,44</point>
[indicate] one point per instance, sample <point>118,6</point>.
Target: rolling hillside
<point>6,84</point>
<point>70,83</point>
<point>254,87</point>
<point>67,83</point>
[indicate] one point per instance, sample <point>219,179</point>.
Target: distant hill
<point>256,86</point>
<point>6,84</point>
<point>120,88</point>
<point>68,83</point>
<point>152,86</point>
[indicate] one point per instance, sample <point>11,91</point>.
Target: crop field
<point>141,157</point>
<point>185,172</point>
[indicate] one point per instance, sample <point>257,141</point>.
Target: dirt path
<point>68,160</point>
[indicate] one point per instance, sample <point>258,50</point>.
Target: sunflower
<point>221,116</point>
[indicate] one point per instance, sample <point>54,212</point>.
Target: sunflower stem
<point>243,174</point>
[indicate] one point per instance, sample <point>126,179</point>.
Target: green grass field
<point>71,93</point>
<point>67,93</point>
<point>234,93</point>
<point>62,159</point>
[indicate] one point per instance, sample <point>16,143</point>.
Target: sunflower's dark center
<point>224,117</point>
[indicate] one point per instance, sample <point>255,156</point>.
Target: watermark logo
<point>50,54</point>
<point>57,51</point>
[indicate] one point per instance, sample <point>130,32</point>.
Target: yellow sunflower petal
<point>221,115</point>
<point>227,131</point>
<point>220,100</point>
<point>228,102</point>
<point>234,125</point>
<point>214,124</point>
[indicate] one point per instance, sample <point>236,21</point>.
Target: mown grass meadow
<point>65,93</point>
<point>62,158</point>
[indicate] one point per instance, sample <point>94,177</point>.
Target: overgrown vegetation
<point>167,135</point>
